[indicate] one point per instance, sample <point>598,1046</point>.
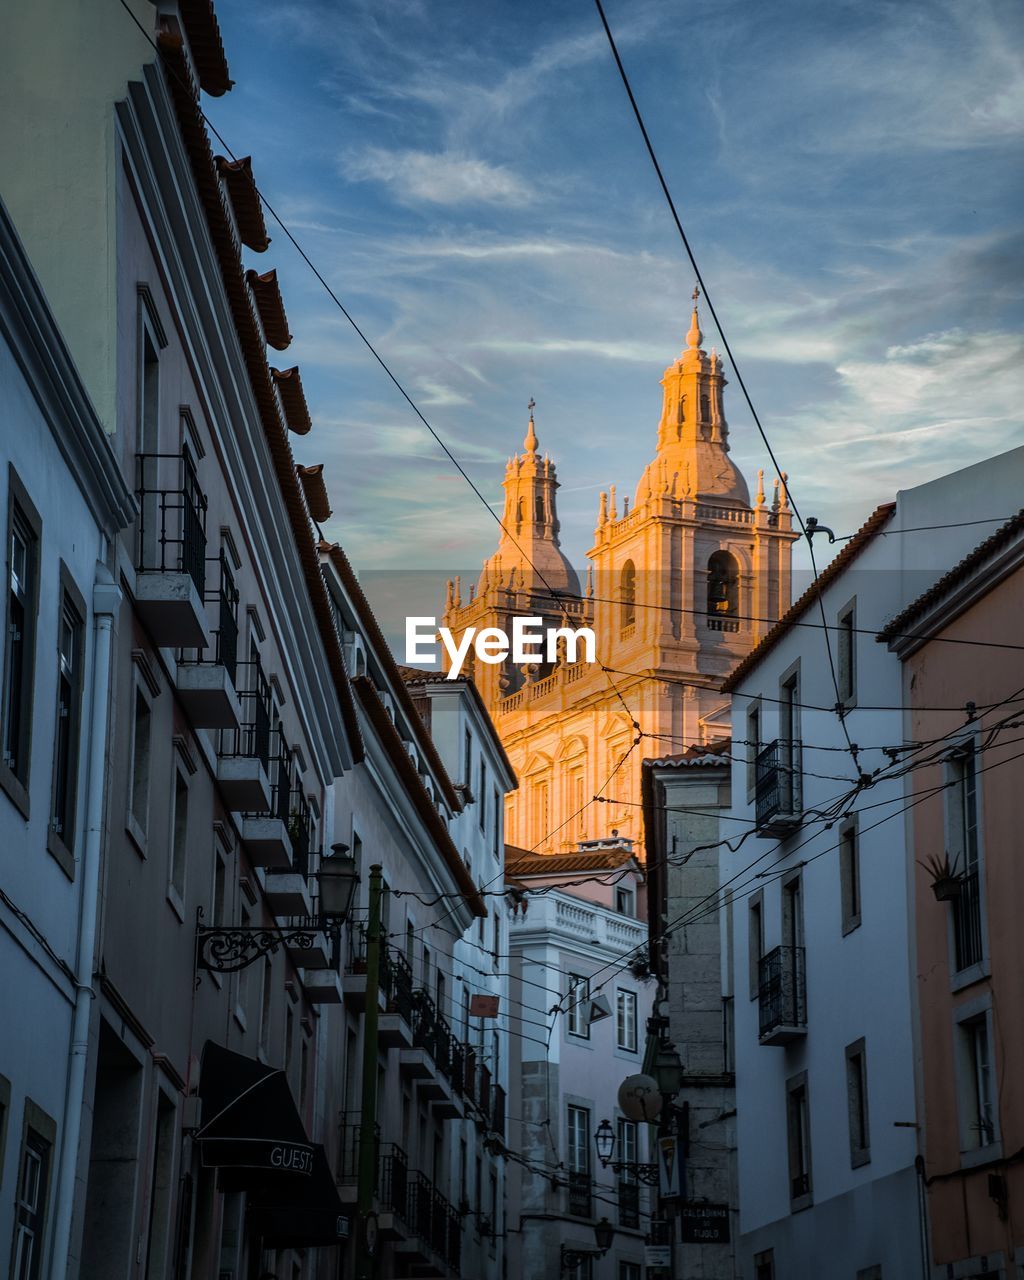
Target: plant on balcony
<point>946,882</point>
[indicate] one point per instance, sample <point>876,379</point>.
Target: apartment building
<point>825,987</point>
<point>580,984</point>
<point>967,896</point>
<point>437,1173</point>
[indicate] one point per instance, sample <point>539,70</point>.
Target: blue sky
<point>469,178</point>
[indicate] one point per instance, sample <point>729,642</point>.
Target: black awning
<point>253,1133</point>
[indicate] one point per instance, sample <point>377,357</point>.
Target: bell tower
<point>682,583</point>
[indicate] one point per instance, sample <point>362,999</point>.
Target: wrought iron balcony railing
<point>782,995</point>
<point>778,787</point>
<point>581,1201</point>
<point>967,921</point>
<point>394,1180</point>
<point>252,738</point>
<point>172,516</point>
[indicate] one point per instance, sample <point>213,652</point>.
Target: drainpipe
<point>105,602</point>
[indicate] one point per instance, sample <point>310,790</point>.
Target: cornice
<point>39,349</point>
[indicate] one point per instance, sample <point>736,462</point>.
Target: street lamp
<point>338,877</point>
<point>604,1140</point>
<point>570,1258</point>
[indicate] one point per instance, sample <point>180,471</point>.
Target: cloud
<point>441,178</point>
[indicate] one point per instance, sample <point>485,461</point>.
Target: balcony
<point>243,764</point>
<point>778,787</point>
<point>437,1229</point>
<point>967,921</point>
<point>171,564</point>
<point>781,996</point>
<point>266,835</point>
<point>206,678</point>
<point>581,1203</point>
<point>288,893</point>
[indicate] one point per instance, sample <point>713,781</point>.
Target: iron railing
<point>781,990</point>
<point>172,516</point>
<point>394,1180</point>
<point>300,830</point>
<point>347,1172</point>
<point>581,1203</point>
<point>434,1220</point>
<point>967,921</point>
<point>281,790</point>
<point>227,620</point>
<point>778,783</point>
<point>629,1204</point>
<point>252,738</point>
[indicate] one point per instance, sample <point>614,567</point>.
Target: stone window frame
<point>796,1084</point>
<point>860,1155</point>
<point>849,839</point>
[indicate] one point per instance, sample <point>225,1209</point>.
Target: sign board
<point>483,1006</point>
<point>670,1166</point>
<point>257,1153</point>
<point>705,1223</point>
<point>657,1255</point>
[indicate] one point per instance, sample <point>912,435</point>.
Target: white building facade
<point>815,906</point>
<point>63,502</point>
<point>569,946</point>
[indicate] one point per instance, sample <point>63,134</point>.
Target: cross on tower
<point>696,293</point>
<point>532,405</point>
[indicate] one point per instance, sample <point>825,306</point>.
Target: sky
<point>470,180</point>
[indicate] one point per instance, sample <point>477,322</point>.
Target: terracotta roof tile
<point>1004,534</point>
<point>270,306</point>
<point>879,517</point>
<point>197,144</point>
<point>296,411</point>
<point>245,201</point>
<point>523,862</point>
<point>712,754</point>
<point>312,479</point>
<point>206,45</point>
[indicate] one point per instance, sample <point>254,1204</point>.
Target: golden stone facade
<point>679,587</point>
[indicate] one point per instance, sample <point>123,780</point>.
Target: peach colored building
<point>966,918</point>
<point>681,585</point>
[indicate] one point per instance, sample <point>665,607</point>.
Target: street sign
<point>483,1006</point>
<point>670,1166</point>
<point>657,1255</point>
<point>705,1223</point>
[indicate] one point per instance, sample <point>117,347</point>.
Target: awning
<point>252,1132</point>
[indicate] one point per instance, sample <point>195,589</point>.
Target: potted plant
<point>946,883</point>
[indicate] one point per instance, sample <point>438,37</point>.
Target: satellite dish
<point>639,1098</point>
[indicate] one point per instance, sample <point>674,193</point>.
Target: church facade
<point>681,584</point>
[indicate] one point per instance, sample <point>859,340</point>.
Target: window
<point>964,855</point>
<point>755,940</point>
<point>538,508</point>
<point>24,530</point>
<point>179,841</point>
<point>289,1036</point>
<point>242,989</point>
<point>799,1132</point>
<point>790,780</point>
<point>579,1139</point>
<point>483,795</point>
<point>849,876</point>
<point>624,901</point>
<point>426,967</point>
<point>625,1020</point>
<point>138,783</point>
<point>857,1103</point>
<point>729,1033</point>
<point>542,812</point>
<point>69,716</point>
<point>496,837</point>
<point>467,763</point>
<point>846,655</point>
<point>495,937</point>
<point>220,872</point>
<point>978,1121</point>
<point>304,1068</point>
<point>723,592</point>
<point>627,1188</point>
<point>30,1203</point>
<point>753,744</point>
<point>764,1265</point>
<point>627,594</point>
<point>577,1000</point>
<point>705,409</point>
<point>629,1271</point>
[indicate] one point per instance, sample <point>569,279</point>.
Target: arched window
<point>627,594</point>
<point>705,409</point>
<point>682,410</point>
<point>539,509</point>
<point>723,591</point>
<point>519,511</point>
